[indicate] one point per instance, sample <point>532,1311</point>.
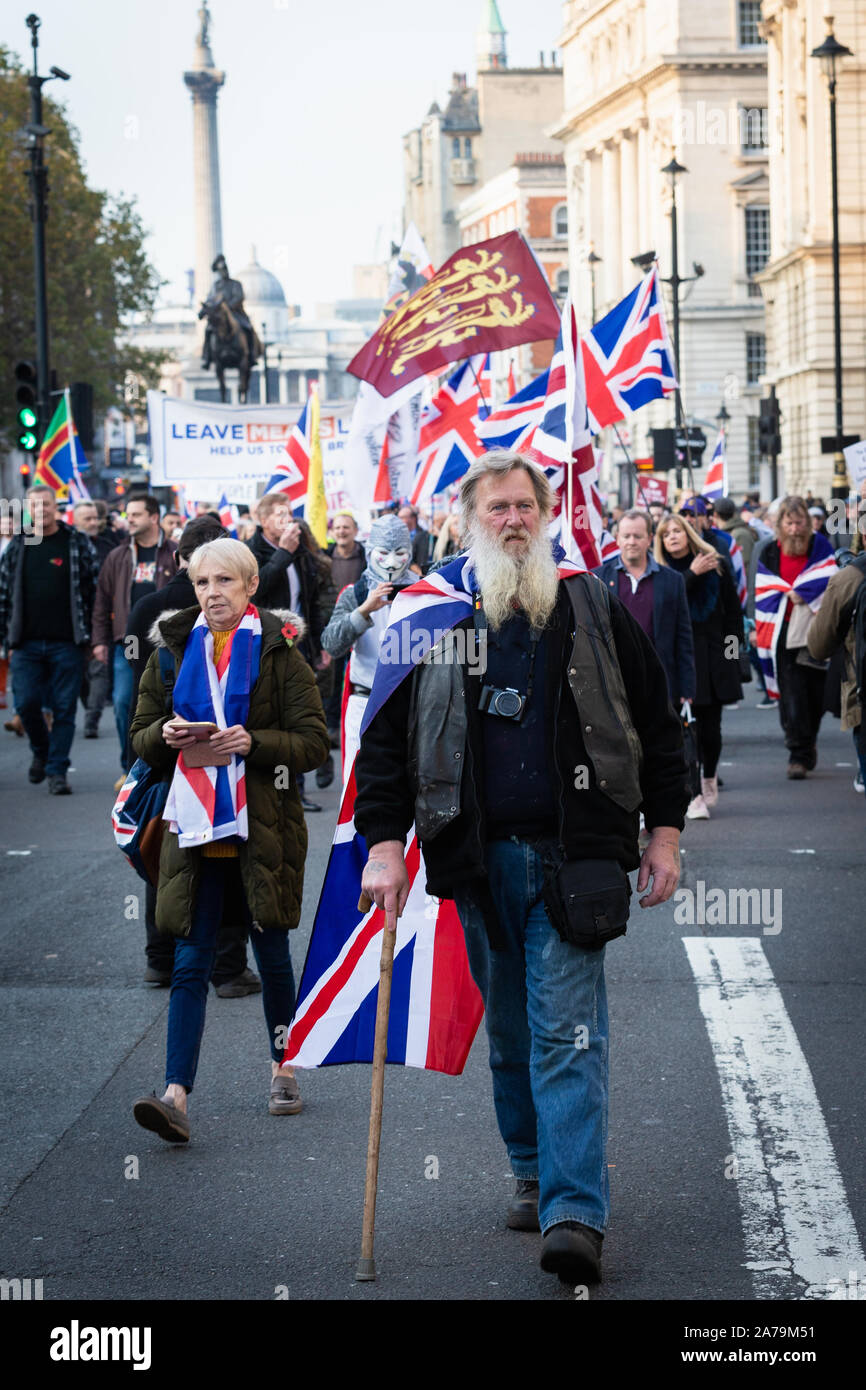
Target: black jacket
<point>82,586</point>
<point>672,629</point>
<point>592,826</point>
<point>717,669</point>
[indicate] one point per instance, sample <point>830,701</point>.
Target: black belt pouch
<point>587,901</point>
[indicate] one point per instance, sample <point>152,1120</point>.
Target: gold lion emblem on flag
<point>478,292</point>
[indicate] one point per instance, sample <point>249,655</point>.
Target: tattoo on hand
<point>376,864</point>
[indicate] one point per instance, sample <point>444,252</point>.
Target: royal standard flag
<point>61,457</point>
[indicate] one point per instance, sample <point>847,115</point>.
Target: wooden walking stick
<point>366,1270</point>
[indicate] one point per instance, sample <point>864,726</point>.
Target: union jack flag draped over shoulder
<point>435,1004</point>
<point>627,356</point>
<point>772,601</point>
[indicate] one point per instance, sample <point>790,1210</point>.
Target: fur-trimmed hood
<point>157,637</point>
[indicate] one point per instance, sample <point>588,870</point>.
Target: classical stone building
<point>644,80</point>
<point>529,196</point>
<point>457,150</point>
<point>797,283</point>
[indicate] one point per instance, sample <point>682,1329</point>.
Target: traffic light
<point>769,436</point>
<point>25,397</point>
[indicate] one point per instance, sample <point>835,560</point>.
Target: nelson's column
<point>204,82</point>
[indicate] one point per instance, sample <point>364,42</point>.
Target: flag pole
<point>366,1271</point>
<point>631,463</point>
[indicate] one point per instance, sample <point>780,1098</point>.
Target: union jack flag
<point>562,445</point>
<point>512,424</point>
<point>771,603</point>
<point>229,516</point>
<point>448,442</point>
<point>627,356</point>
<point>716,481</point>
<point>290,475</point>
<point>735,551</point>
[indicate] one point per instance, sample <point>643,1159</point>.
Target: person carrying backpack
<point>841,622</point>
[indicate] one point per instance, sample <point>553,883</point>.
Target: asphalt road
<point>258,1205</point>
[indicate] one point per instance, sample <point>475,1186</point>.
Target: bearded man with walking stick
<point>524,774</point>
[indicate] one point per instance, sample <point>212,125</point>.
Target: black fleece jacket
<point>592,826</point>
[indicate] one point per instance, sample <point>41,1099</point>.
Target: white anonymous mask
<point>389,565</point>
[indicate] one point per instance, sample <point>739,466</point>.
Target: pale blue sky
<point>317,97</point>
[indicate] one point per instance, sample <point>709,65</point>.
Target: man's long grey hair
<point>530,579</point>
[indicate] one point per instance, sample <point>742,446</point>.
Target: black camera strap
<point>479,618</point>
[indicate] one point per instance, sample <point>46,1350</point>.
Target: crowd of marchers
<point>235,667</point>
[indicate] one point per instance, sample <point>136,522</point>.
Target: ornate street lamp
<point>828,54</point>
<point>723,417</point>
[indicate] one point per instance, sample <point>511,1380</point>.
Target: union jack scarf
<point>771,603</point>
<point>210,803</point>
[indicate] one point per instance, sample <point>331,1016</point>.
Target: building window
<point>754,470</point>
<point>560,220</point>
<point>756,357</point>
<point>455,146</point>
<point>467,147</point>
<point>753,129</point>
<point>748,19</point>
<point>562,282</point>
<point>757,245</point>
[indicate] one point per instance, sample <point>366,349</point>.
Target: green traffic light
<point>27,417</point>
<point>27,440</point>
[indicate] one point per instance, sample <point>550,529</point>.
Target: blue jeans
<point>546,1016</point>
<point>48,674</point>
<point>193,962</point>
<point>124,683</point>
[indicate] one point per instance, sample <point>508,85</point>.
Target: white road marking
<point>19,852</point>
<point>801,851</point>
<point>796,1222</point>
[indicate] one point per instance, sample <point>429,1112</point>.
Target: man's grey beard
<point>530,578</point>
<point>795,545</point>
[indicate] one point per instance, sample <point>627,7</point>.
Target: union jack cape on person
<point>771,602</point>
<point>435,1004</point>
<point>627,356</point>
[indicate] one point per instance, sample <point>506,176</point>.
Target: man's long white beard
<point>530,577</point>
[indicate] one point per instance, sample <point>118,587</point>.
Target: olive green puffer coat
<point>289,735</point>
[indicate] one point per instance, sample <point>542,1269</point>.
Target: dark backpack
<point>136,817</point>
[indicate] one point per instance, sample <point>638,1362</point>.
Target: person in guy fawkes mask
<point>524,776</point>
<point>361,615</point>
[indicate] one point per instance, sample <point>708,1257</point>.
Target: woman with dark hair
<point>716,619</point>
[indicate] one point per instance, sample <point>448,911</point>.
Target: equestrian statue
<point>230,339</point>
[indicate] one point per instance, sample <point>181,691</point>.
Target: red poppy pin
<point>56,560</point>
<point>290,632</point>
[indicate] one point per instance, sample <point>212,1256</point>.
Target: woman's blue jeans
<point>193,962</point>
<point>546,1015</point>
